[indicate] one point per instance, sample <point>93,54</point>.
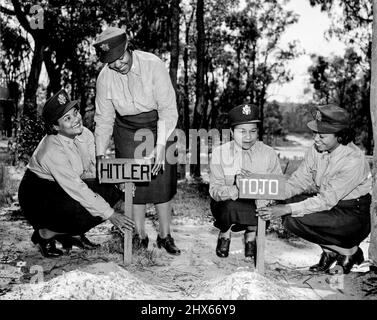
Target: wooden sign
<point>124,170</point>
<point>262,186</point>
<point>127,171</point>
<point>266,187</point>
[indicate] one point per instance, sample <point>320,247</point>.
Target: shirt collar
<point>338,151</point>
<point>69,141</point>
<point>237,149</point>
<point>135,68</point>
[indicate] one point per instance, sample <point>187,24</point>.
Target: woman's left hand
<point>159,158</point>
<point>273,212</point>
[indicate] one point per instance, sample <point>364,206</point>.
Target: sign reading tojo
<point>262,186</point>
<point>124,170</point>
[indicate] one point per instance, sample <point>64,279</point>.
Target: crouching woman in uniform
<point>59,194</point>
<point>336,174</point>
<point>243,155</point>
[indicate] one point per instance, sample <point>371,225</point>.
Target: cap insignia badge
<point>246,110</point>
<point>318,116</point>
<point>62,99</point>
<point>105,47</point>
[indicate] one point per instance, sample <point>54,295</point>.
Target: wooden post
<point>127,240</point>
<point>127,171</point>
<point>266,187</point>
<point>373,112</point>
<point>261,244</point>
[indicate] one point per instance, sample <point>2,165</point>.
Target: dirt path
<point>196,274</point>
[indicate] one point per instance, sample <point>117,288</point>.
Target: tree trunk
<point>373,109</point>
<point>174,59</point>
<point>54,73</point>
<point>262,102</point>
<point>186,102</point>
<point>174,40</point>
<point>30,97</point>
<point>199,103</point>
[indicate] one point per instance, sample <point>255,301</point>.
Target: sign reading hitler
<point>262,186</point>
<point>124,170</point>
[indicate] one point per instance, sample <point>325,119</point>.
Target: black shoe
<point>324,264</point>
<point>250,249</point>
<point>88,245</point>
<point>222,248</point>
<point>138,243</point>
<point>373,268</point>
<point>68,241</point>
<point>168,244</point>
<point>347,262</point>
<point>46,246</point>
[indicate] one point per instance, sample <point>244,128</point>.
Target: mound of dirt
<point>245,285</point>
<point>102,281</point>
<point>108,281</point>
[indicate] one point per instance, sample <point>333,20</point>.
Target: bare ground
<point>196,274</point>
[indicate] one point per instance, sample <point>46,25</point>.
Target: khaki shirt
<point>343,174</point>
<point>68,161</point>
<point>227,161</point>
<point>144,88</point>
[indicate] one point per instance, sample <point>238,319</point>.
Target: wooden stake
<point>128,201</point>
<point>261,243</point>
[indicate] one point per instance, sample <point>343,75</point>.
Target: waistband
<point>145,120</point>
<point>365,199</point>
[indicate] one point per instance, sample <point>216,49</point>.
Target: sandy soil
<point>196,274</point>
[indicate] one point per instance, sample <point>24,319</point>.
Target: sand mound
<point>102,281</point>
<point>106,281</point>
<point>245,285</point>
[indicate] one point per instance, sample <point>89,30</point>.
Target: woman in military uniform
<point>241,156</point>
<point>337,176</point>
<point>59,194</point>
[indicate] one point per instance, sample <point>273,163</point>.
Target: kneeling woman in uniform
<point>244,155</point>
<point>59,194</point>
<point>336,173</point>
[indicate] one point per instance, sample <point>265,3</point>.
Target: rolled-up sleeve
<point>341,184</point>
<point>60,168</point>
<point>166,103</point>
<point>218,189</point>
<point>104,117</point>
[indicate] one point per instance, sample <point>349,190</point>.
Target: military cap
<point>244,113</point>
<point>329,118</point>
<point>57,106</point>
<point>110,44</point>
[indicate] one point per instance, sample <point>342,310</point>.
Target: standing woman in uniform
<point>135,99</point>
<point>337,176</point>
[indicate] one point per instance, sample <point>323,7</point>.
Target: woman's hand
<point>273,212</point>
<point>121,221</point>
<point>159,158</point>
<point>243,173</point>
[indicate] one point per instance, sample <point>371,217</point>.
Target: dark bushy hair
<point>49,128</point>
<point>345,136</point>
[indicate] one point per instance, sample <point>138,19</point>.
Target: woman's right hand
<point>121,221</point>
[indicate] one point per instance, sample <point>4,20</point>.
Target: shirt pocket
<point>143,93</point>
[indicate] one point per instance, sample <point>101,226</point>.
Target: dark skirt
<point>346,225</point>
<point>162,187</point>
<point>238,214</point>
<point>46,205</point>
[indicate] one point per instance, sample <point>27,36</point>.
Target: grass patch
<point>6,197</point>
